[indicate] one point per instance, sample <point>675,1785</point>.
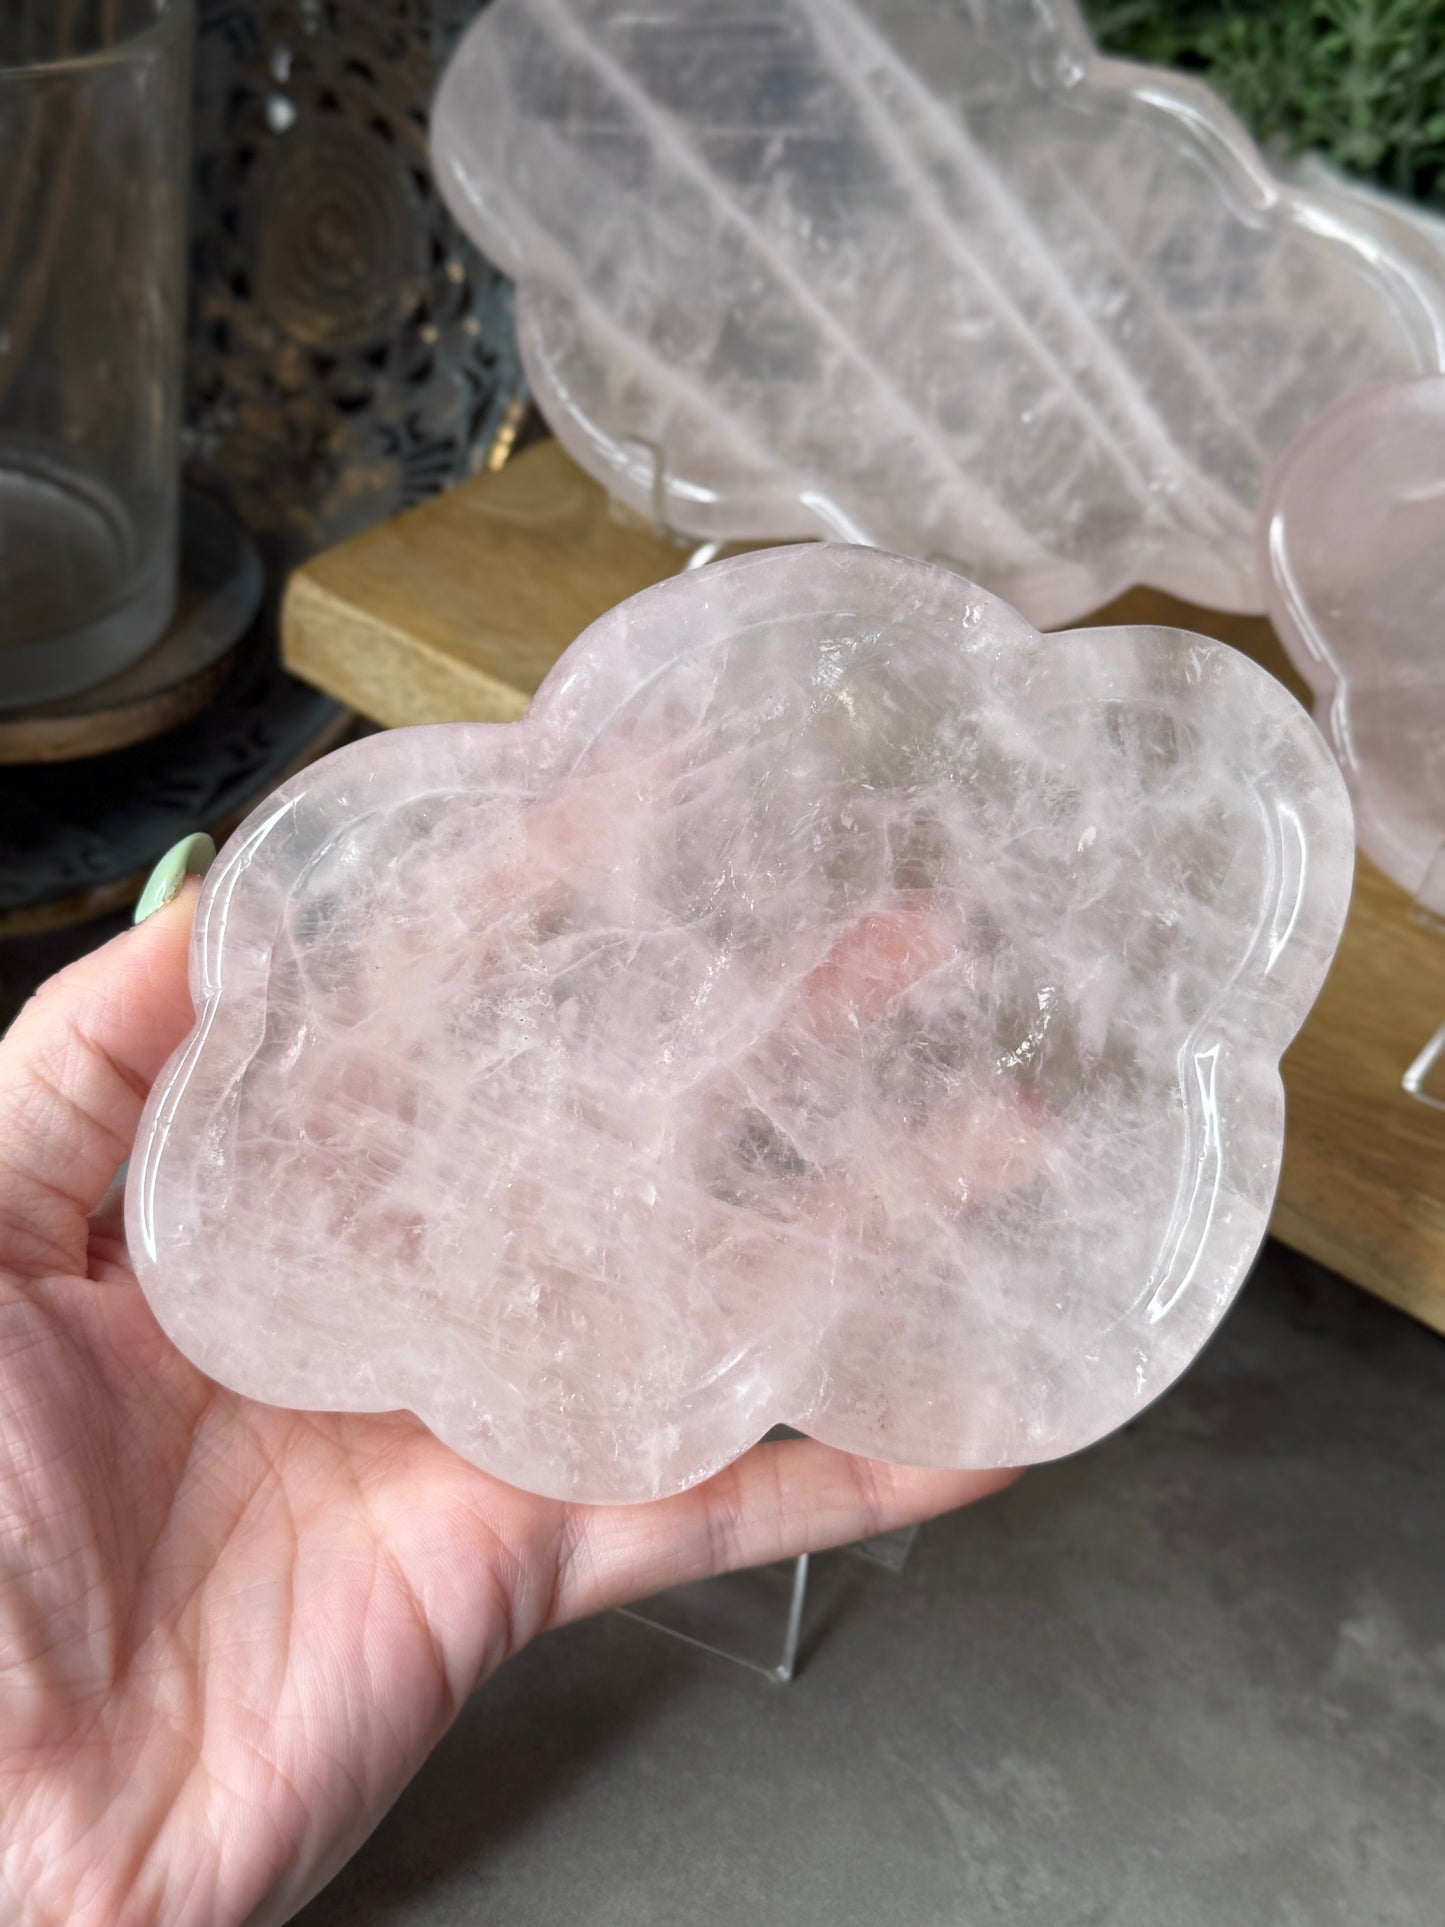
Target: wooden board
<point>455,611</point>
<point>458,609</point>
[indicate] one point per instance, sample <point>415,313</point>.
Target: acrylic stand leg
<point>651,464</point>
<point>889,1549</point>
<point>754,1618</point>
<point>1425,1079</point>
<point>1428,905</point>
<point>652,479</point>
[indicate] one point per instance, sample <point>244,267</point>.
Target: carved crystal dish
<point>833,1003</point>
<point>1354,561</point>
<point>930,276</point>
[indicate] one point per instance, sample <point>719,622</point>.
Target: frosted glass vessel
<point>919,274</point>
<point>834,1004</point>
<point>1353,532</point>
<point>94,156</point>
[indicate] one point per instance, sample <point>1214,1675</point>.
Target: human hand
<point>230,1634</point>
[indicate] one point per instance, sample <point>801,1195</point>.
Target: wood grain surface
<point>457,610</point>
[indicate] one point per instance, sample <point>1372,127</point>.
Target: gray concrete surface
<point>1193,1678</point>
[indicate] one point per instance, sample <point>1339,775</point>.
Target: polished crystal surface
<point>917,273</point>
<point>833,1003</point>
<point>1354,540</point>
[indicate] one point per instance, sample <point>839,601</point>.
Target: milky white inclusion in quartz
<point>923,273</point>
<point>834,1003</point>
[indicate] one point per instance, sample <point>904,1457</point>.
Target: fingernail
<point>191,857</point>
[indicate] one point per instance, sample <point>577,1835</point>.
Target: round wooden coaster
<point>220,592</point>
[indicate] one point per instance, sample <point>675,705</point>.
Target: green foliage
<point>1360,80</point>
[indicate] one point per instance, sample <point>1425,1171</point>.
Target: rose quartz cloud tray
<point>918,273</point>
<point>1354,551</point>
<point>834,1003</point>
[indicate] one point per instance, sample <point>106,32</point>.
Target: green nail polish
<point>191,857</point>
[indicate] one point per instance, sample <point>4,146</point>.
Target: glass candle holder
<point>94,99</point>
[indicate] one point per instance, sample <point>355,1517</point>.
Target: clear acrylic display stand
<point>755,1617</point>
<point>1425,1079</point>
<point>651,462</point>
<point>889,1550</point>
<point>1428,904</point>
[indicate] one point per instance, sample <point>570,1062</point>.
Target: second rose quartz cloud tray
<point>1353,541</point>
<point>930,276</point>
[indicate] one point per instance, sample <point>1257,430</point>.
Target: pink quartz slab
<point>1353,526</point>
<point>834,1003</point>
<point>925,274</point>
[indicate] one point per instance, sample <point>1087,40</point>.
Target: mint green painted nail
<point>191,857</point>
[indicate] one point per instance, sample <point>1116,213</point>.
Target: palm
<point>229,1632</point>
<point>229,1597</point>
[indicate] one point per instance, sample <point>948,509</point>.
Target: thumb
<point>77,1065</point>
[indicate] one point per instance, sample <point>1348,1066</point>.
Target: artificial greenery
<point>1362,81</point>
